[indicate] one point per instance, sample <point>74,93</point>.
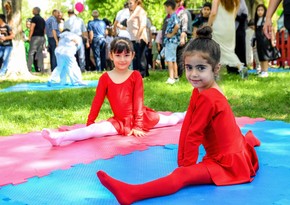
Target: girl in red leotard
<point>124,90</point>
<point>230,157</point>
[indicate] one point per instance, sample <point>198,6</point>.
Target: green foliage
<point>195,4</point>
<point>26,12</point>
<point>63,6</point>
<point>109,8</point>
<point>155,9</point>
<point>22,112</point>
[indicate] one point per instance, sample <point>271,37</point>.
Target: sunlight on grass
<point>22,112</point>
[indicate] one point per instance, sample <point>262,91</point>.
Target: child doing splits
<point>124,90</point>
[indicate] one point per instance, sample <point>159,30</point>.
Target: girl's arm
<point>138,104</point>
<point>194,137</point>
<point>185,125</point>
<point>98,101</point>
<point>213,12</point>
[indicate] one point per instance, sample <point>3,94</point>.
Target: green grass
<point>22,112</point>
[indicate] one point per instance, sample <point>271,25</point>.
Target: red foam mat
<point>28,155</point>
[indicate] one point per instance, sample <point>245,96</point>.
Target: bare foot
<point>47,134</point>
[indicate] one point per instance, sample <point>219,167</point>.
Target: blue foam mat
<point>45,87</point>
<point>272,70</point>
<point>79,185</point>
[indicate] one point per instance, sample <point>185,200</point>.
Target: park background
<point>22,112</point>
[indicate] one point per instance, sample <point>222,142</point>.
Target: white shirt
<point>66,43</point>
<point>121,16</point>
<point>75,25</point>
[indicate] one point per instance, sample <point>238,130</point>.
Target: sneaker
<point>176,79</point>
<point>263,74</point>
<point>170,81</point>
<point>259,70</point>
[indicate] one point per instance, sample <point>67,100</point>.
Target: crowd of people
<point>153,48</point>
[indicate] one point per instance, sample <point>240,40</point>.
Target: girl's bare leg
<point>264,66</point>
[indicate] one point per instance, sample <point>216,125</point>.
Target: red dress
<point>127,103</point>
<point>210,121</point>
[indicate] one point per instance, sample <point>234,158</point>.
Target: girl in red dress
<point>124,90</point>
<point>230,157</point>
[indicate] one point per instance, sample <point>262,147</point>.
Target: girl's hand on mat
<point>137,133</point>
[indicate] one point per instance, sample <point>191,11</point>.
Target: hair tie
<point>204,37</point>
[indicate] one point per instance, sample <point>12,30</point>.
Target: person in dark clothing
<point>37,40</point>
<point>241,26</point>
<point>97,32</point>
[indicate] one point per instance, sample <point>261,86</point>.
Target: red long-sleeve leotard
<point>127,103</point>
<point>209,121</point>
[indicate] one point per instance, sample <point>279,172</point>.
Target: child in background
<point>109,39</point>
<point>171,41</point>
<point>124,90</point>
<point>202,19</point>
<point>230,157</point>
<point>67,66</point>
<point>251,48</point>
<point>264,45</point>
<point>154,51</point>
<point>26,37</point>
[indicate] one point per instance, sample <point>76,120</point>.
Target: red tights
<point>179,178</point>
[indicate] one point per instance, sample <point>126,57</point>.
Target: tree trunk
<point>17,65</point>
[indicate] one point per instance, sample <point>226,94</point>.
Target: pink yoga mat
<point>28,155</point>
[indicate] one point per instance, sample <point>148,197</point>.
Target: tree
<point>109,8</point>
<point>17,66</point>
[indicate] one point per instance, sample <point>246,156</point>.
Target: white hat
<point>153,29</point>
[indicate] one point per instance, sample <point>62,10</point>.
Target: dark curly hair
<point>205,45</point>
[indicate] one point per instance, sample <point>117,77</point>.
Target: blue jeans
<point>81,57</point>
<point>99,50</point>
<point>52,46</point>
<point>5,53</point>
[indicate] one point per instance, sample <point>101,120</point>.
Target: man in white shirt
<point>120,22</point>
<point>76,25</point>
